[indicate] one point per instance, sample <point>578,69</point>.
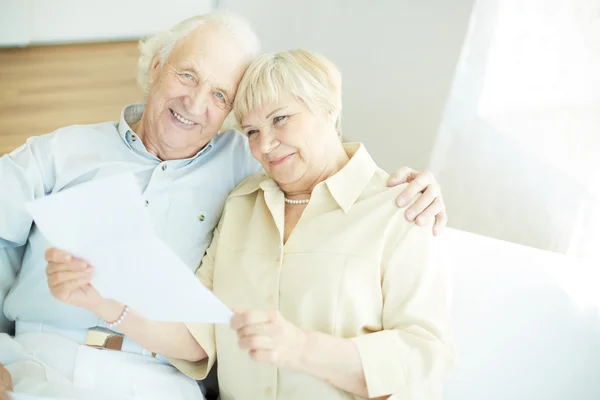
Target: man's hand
<point>429,206</point>
<point>69,280</point>
<point>5,383</point>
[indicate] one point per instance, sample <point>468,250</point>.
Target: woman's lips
<point>280,160</point>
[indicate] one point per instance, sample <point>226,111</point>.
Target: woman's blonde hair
<point>308,76</point>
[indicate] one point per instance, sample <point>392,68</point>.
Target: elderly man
<point>186,171</point>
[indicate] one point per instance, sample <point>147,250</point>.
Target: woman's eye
<point>188,76</point>
<point>252,132</point>
<point>279,119</point>
<point>220,96</point>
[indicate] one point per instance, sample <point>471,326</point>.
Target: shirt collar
<point>132,114</point>
<point>129,115</point>
<point>348,184</point>
<point>345,186</point>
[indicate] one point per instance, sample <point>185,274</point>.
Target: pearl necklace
<point>289,201</point>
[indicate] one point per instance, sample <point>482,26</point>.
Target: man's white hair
<point>162,43</point>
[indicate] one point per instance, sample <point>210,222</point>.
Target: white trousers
<point>49,365</point>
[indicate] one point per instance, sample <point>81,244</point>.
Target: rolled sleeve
<point>379,353</point>
<point>412,355</point>
<point>205,336</point>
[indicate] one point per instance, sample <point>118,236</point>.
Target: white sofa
<point>527,322</point>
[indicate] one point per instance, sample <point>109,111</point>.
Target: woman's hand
<point>269,337</point>
<point>69,280</point>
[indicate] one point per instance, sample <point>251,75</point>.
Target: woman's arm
<point>410,355</point>
<point>334,360</point>
<point>69,281</point>
<point>270,338</point>
<point>169,339</point>
<point>414,352</point>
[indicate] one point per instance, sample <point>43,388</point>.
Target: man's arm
<point>430,205</point>
<point>10,264</point>
<point>26,174</point>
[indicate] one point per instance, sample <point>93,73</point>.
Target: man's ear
<point>155,69</point>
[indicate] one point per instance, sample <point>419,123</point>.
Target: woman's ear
<point>332,116</point>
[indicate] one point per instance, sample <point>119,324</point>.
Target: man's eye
<point>220,96</point>
<point>188,76</point>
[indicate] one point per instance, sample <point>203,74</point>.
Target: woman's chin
<point>283,179</point>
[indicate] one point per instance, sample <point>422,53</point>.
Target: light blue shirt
<point>185,199</point>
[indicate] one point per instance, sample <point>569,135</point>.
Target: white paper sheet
<point>106,223</point>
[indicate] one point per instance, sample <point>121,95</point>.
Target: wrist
<point>108,310</point>
<point>300,350</point>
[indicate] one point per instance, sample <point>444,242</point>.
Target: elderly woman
<point>337,298</point>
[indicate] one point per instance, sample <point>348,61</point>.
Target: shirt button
<point>278,260</point>
<point>164,167</point>
<point>271,300</point>
<point>201,218</point>
<point>146,202</point>
<point>268,391</point>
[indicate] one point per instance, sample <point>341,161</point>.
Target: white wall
<point>397,58</point>
<point>14,23</point>
<point>65,21</point>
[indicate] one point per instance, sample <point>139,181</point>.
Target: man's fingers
<point>422,204</point>
<point>423,181</point>
<point>440,223</point>
<point>425,208</point>
<point>400,176</point>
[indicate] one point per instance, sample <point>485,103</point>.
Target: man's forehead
<point>206,67</point>
<point>205,58</point>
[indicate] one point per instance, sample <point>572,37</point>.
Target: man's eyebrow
<point>192,67</point>
<point>189,65</point>
<point>225,90</point>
